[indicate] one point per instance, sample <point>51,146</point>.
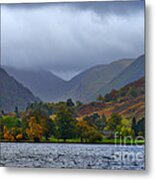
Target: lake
<point>92,156</point>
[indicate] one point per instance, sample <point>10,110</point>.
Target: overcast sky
<point>67,38</point>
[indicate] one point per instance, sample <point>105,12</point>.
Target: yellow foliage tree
<point>34,130</point>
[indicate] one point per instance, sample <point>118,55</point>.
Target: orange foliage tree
<point>13,134</point>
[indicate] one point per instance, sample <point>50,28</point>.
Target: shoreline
<point>88,143</point>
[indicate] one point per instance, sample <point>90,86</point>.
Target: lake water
<point>49,155</point>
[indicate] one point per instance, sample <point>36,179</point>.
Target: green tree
<point>124,128</point>
<point>78,103</point>
<point>112,96</point>
<point>100,98</point>
<point>16,110</point>
<point>66,124</point>
<point>132,92</point>
<point>70,102</point>
<point>141,127</point>
<point>96,121</point>
<point>114,121</point>
<point>134,126</point>
<point>48,127</point>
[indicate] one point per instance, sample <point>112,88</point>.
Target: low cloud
<point>67,38</point>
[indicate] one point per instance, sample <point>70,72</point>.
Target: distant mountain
<point>13,94</point>
<point>133,72</point>
<point>83,86</point>
<point>52,88</point>
<point>42,83</point>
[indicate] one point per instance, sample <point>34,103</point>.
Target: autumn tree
<point>11,128</point>
<point>7,134</point>
<point>83,129</point>
<point>88,133</point>
<point>34,130</point>
<point>13,134</point>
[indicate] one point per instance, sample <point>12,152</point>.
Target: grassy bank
<point>77,141</point>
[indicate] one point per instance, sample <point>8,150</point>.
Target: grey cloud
<point>69,37</point>
<point>116,7</point>
<point>108,7</point>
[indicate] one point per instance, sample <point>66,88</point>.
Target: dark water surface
<point>49,155</point>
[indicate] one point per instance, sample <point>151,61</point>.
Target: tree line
<point>45,122</point>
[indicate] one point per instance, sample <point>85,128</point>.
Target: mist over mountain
<point>49,87</point>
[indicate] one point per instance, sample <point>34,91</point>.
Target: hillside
<point>42,83</point>
<point>13,94</point>
<point>128,101</point>
<point>131,73</point>
<point>83,86</point>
